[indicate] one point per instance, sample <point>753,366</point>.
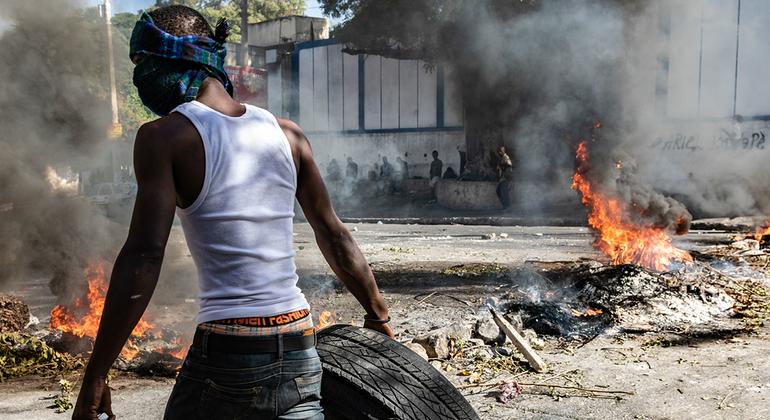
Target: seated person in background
<point>351,171</point>
<point>435,169</point>
<point>333,171</point>
<point>385,184</point>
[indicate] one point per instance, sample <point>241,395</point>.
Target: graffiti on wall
<point>722,140</point>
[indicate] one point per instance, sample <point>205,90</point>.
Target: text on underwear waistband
<point>266,321</point>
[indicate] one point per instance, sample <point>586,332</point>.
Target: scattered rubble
<point>417,348</point>
<point>520,342</point>
<point>487,329</point>
<point>440,342</point>
<point>745,244</point>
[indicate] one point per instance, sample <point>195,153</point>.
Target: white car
<point>110,193</point>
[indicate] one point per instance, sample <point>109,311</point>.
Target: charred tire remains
<point>368,375</point>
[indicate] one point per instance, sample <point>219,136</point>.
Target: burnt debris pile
<point>579,300</point>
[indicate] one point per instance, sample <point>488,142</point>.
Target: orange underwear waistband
<point>266,321</point>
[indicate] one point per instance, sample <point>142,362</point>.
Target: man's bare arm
<point>137,267</point>
<point>334,239</point>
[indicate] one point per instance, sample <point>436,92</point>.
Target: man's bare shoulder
<point>171,126</point>
<point>167,133</point>
<point>293,130</point>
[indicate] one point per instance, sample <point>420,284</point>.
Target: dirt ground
<point>638,376</point>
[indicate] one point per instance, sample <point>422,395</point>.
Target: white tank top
<point>239,229</point>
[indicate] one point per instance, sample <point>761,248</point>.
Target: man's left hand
<point>383,328</point>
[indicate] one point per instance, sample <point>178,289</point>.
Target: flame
<point>622,241</point>
<point>81,317</point>
<point>59,183</point>
<point>587,313</point>
<point>761,231</point>
<point>180,349</point>
<point>325,319</point>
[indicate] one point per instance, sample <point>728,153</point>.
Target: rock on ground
<point>417,348</point>
<point>488,330</point>
<point>439,342</point>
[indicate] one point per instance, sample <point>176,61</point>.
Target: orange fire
<point>624,242</point>
<point>587,313</point>
<point>761,231</point>
<point>180,351</point>
<point>325,319</point>
<point>81,317</point>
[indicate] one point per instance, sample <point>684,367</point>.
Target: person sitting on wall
<point>333,171</point>
<point>351,178</point>
<point>386,177</point>
<point>400,175</point>
<point>351,171</point>
<point>504,176</point>
<point>334,178</point>
<point>435,169</point>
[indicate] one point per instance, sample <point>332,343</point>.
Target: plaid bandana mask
<point>173,68</point>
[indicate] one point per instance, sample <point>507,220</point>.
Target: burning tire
<point>368,375</point>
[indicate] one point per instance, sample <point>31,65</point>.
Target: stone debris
<point>536,342</point>
<point>488,331</point>
<point>438,343</point>
<point>417,348</point>
<point>746,244</point>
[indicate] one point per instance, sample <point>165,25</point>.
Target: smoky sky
<point>54,112</point>
<point>547,77</point>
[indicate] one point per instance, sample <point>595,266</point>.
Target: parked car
<point>109,193</point>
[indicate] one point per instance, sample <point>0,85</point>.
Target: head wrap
<point>173,67</point>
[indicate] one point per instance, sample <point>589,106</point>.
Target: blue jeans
<point>247,386</point>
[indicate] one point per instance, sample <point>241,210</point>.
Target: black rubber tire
<point>366,375</point>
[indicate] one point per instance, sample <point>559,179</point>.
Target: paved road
<point>673,384</point>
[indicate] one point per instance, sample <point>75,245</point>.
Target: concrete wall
<point>366,148</point>
<point>707,86</point>
<point>368,106</point>
<point>718,68</point>
<point>396,94</point>
<point>467,195</point>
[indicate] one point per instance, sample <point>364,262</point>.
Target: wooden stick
<point>578,388</point>
<point>543,385</point>
<point>521,344</point>
<point>425,298</point>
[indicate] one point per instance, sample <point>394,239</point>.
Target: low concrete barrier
<point>417,187</point>
<point>468,195</point>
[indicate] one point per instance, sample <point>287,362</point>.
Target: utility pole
<point>244,32</point>
<point>116,129</point>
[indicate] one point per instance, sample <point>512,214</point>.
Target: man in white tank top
<point>231,172</point>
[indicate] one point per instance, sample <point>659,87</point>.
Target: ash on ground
<point>567,304</point>
<point>577,300</point>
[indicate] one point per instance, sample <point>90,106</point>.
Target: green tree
<point>132,112</point>
<point>259,11</point>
